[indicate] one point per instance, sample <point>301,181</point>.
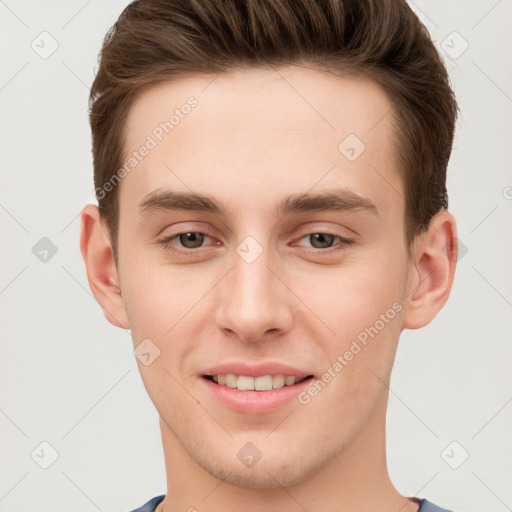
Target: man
<point>272,214</point>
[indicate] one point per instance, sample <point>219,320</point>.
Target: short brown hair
<point>158,40</point>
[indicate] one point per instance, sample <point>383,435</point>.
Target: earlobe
<point>431,272</point>
<point>101,271</point>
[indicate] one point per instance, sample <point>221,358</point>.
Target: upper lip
<point>255,370</point>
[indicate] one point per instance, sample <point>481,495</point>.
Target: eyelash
<point>345,242</point>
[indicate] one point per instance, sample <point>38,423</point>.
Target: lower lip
<point>256,402</point>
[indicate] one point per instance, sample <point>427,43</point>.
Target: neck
<point>355,480</point>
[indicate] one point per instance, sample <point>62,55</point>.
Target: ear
<point>101,270</point>
<point>431,271</point>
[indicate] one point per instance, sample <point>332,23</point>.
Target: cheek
<point>349,298</point>
<point>158,296</point>
<point>167,307</point>
<point>357,324</point>
<point>334,302</point>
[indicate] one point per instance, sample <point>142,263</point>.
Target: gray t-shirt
<point>425,505</point>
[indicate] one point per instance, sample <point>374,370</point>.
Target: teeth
<point>289,381</point>
<point>244,383</point>
<point>262,383</point>
<point>278,381</point>
<point>231,380</point>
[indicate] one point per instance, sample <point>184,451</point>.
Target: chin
<point>270,472</point>
<point>264,477</point>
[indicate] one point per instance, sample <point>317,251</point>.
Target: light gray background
<point>70,378</point>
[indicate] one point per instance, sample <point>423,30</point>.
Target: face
<point>293,264</point>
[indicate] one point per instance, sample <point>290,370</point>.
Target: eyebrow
<point>334,200</point>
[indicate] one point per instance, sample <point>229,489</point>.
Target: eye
<point>187,239</point>
<point>325,241</point>
<point>194,238</point>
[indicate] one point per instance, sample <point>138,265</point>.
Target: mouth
<point>252,387</point>
<point>260,383</point>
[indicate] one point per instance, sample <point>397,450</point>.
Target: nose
<point>255,304</point>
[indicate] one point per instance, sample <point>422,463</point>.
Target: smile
<point>261,383</point>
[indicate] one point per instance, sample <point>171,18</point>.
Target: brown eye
<point>185,243</point>
<point>326,243</point>
<point>191,239</point>
<point>321,240</point>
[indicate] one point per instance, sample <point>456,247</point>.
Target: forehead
<point>262,133</point>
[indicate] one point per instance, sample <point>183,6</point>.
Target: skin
<point>252,140</point>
